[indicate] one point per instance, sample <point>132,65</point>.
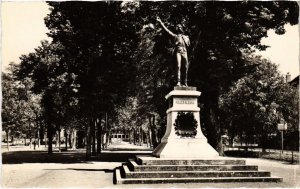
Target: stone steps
<point>148,160</point>
<point>139,168</point>
<point>151,170</point>
<point>182,174</point>
<point>120,180</point>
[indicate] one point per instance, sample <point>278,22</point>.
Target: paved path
<point>27,169</point>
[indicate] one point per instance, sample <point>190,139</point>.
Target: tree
<point>256,103</point>
<point>99,53</point>
<point>220,33</point>
<point>52,81</point>
<point>9,105</point>
<point>20,108</point>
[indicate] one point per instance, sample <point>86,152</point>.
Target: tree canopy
<point>104,54</point>
<point>257,102</point>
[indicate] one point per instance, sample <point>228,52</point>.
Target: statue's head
<point>179,28</point>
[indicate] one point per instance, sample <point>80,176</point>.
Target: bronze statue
<point>182,42</point>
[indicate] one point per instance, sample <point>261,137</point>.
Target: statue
<point>182,42</point>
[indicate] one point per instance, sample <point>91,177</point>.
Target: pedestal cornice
<point>183,93</point>
<point>177,109</point>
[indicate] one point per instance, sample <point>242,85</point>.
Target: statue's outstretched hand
<point>158,19</point>
<point>164,27</point>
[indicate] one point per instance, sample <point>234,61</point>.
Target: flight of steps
<point>151,170</point>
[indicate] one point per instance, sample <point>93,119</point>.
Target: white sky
<point>23,28</point>
<point>283,50</point>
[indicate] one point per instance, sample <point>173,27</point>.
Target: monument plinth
<point>183,137</point>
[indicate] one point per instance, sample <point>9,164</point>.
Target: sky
<point>23,28</point>
<point>284,50</point>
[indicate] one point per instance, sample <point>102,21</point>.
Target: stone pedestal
<point>178,143</point>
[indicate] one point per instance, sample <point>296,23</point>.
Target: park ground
<point>22,167</point>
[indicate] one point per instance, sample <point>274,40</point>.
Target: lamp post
<point>282,126</point>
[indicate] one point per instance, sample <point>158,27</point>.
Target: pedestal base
<point>184,139</point>
<point>185,148</point>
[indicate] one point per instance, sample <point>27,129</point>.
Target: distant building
<point>295,82</point>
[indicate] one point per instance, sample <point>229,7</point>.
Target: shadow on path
<point>77,156</point>
<point>117,156</point>
<point>71,169</point>
<point>18,157</point>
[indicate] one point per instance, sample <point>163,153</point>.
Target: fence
<point>251,151</point>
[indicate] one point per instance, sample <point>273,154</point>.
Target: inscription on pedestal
<point>184,101</point>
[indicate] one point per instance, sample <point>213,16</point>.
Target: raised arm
<point>164,27</point>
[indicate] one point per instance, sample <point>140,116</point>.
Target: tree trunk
<point>135,137</point>
<point>74,139</point>
<point>231,139</point>
<point>70,139</point>
<point>38,133</point>
<point>107,139</point>
<point>130,136</point>
<point>59,141</point>
<point>142,136</point>
<point>93,137</point>
<point>103,140</point>
<point>56,137</point>
<point>34,143</point>
<point>12,140</point>
<point>99,134</point>
<point>263,141</point>
<point>45,137</point>
<point>80,139</point>
<point>7,138</point>
<point>150,139</point>
<point>106,129</point>
<point>212,128</point>
<point>38,138</point>
<point>41,134</point>
<point>241,139</point>
<point>154,137</point>
<point>66,139</point>
<point>154,132</point>
<point>88,140</point>
<point>50,138</point>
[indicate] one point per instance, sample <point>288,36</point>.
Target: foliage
<point>98,50</point>
<point>21,112</point>
<point>53,82</point>
<point>257,102</point>
<point>9,105</point>
<point>103,54</point>
<point>126,116</point>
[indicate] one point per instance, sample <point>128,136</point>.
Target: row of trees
<point>111,57</point>
<point>21,111</point>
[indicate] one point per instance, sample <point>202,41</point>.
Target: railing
<point>251,151</point>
